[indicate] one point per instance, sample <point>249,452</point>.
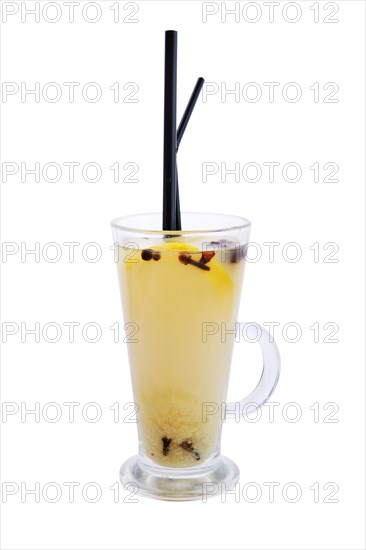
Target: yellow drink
<point>174,371</point>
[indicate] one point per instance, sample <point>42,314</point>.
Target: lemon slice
<point>217,273</point>
<point>176,247</point>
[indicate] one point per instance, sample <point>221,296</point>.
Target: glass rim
<point>241,223</point>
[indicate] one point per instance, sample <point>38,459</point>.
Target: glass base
<point>179,483</point>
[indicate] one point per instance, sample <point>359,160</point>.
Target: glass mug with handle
<point>180,294</point>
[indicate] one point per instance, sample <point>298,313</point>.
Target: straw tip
<point>170,31</point>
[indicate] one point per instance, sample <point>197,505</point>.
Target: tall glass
<point>180,297</point>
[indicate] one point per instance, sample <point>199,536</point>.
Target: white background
<point>305,292</point>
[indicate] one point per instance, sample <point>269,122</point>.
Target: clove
<point>187,259</point>
<point>149,254</point>
<point>188,446</point>
<point>166,445</point>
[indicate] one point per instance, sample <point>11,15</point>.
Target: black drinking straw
<point>190,106</point>
<point>170,214</point>
<point>181,129</point>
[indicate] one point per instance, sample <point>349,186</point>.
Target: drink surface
<point>179,296</point>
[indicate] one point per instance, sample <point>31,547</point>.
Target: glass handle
<point>270,373</point>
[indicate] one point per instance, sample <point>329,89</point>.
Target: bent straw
<point>170,133</point>
<point>189,109</point>
<point>181,129</point>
